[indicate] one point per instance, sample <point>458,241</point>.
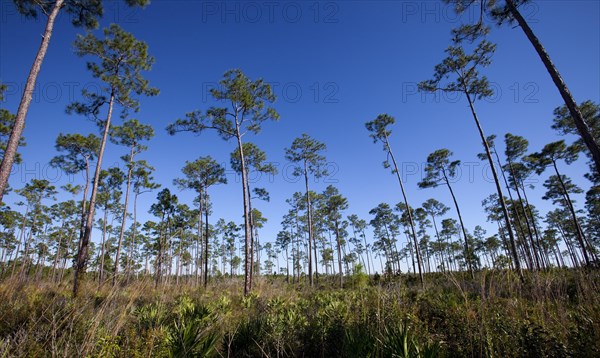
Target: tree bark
<point>199,241</point>
<point>102,248</point>
<point>310,228</point>
<point>248,253</point>
<point>19,125</point>
<point>462,225</point>
<point>580,235</point>
<point>582,127</point>
<point>498,187</point>
<point>83,249</point>
<point>206,239</point>
<point>412,224</point>
<point>124,220</point>
<point>133,235</point>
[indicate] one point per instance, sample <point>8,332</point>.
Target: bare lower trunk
<point>17,129</point>
<point>367,250</point>
<point>582,127</point>
<point>248,253</point>
<point>578,230</point>
<point>462,225</point>
<point>133,237</point>
<point>57,255</point>
<point>498,187</point>
<point>310,228</point>
<point>27,245</point>
<point>339,252</point>
<point>410,217</point>
<point>124,220</point>
<point>102,247</point>
<point>517,215</point>
<point>206,241</point>
<point>22,237</point>
<point>252,236</point>
<point>83,249</point>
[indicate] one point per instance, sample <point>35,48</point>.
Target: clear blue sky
<point>334,66</point>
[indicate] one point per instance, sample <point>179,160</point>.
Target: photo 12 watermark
<point>270,12</point>
<point>113,11</point>
<point>517,92</point>
<point>53,91</point>
<point>287,172</point>
<point>326,92</point>
<point>465,172</point>
<point>427,11</point>
<point>25,172</point>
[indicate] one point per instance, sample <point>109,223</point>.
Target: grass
<point>553,314</point>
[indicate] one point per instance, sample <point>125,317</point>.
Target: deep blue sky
<point>334,66</point>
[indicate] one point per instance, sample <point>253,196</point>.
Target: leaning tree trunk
<point>83,248</point>
<point>124,220</point>
<point>462,225</point>
<point>582,127</point>
<point>534,244</point>
<point>511,235</point>
<point>17,130</point>
<point>580,235</point>
<point>517,216</point>
<point>410,217</point>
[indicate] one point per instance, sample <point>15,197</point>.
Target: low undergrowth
<point>552,314</point>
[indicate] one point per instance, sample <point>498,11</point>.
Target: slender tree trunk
<point>17,130</point>
<point>55,263</point>
<point>287,266</point>
<point>124,220</point>
<point>248,253</point>
<point>412,256</point>
<point>462,225</point>
<point>199,240</point>
<point>498,187</point>
<point>522,239</point>
<point>367,251</point>
<point>22,237</point>
<point>578,230</point>
<point>310,227</point>
<point>315,249</point>
<point>4,254</point>
<point>534,245</point>
<point>84,211</point>
<point>582,127</point>
<point>252,238</point>
<point>133,236</point>
<point>410,217</point>
<point>206,238</point>
<point>339,247</point>
<point>530,213</point>
<point>102,248</point>
<point>517,215</point>
<point>83,249</point>
<point>27,245</point>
